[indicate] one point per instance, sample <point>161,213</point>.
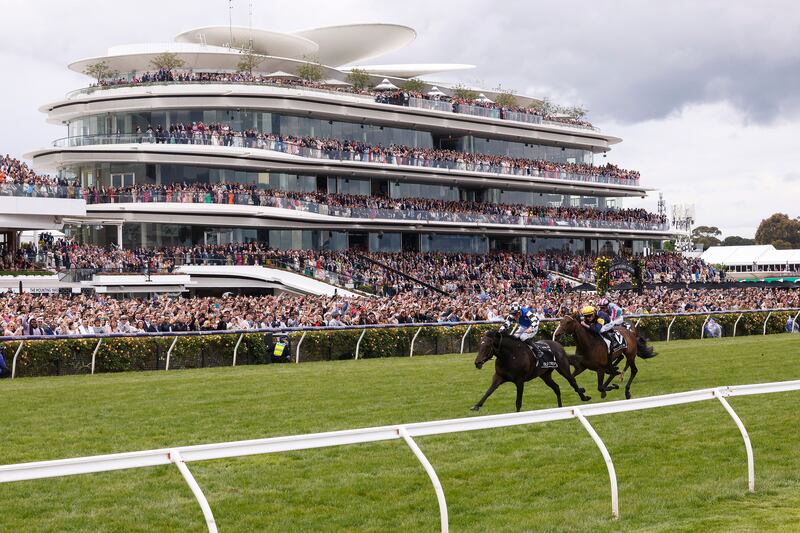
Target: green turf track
<point>679,468</point>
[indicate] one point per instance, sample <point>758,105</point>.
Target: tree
<point>506,99</point>
<point>249,61</point>
<point>311,70</point>
<point>706,235</point>
<point>780,231</point>
<point>413,86</point>
<point>735,240</point>
<point>669,246</point>
<point>359,79</point>
<point>575,111</point>
<point>463,93</point>
<point>100,71</point>
<point>167,61</point>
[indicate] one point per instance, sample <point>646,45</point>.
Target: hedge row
<point>46,358</point>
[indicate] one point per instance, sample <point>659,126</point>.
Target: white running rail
<point>185,454</point>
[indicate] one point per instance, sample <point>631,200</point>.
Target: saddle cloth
<point>619,341</point>
<point>547,359</point>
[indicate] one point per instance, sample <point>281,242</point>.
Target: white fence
<point>637,319</point>
<point>181,455</point>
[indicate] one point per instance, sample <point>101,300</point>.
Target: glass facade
<point>433,242</point>
<point>424,190</point>
<point>555,154</point>
<point>243,119</point>
<point>499,196</point>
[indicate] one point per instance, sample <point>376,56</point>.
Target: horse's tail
<point>643,350</point>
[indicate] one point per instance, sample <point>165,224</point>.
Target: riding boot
<point>532,345</point>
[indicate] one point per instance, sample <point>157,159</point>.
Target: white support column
<point>464,338</point>
<point>612,474</point>
<point>119,236</point>
<point>765,322</point>
<point>703,327</point>
<point>176,458</point>
<point>411,352</point>
<point>669,328</point>
<point>437,485</point>
<point>14,361</point>
<point>297,352</point>
<point>751,467</point>
<point>358,344</point>
<point>169,352</point>
<point>737,323</point>
<point>236,348</point>
<point>94,353</point>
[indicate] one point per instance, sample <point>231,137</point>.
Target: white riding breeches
<point>611,325</point>
<point>525,335</point>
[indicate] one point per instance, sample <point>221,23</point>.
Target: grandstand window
<point>385,242</point>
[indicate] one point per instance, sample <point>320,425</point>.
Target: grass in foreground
<point>679,468</point>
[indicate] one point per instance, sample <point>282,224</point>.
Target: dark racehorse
<point>591,353</point>
<point>517,364</point>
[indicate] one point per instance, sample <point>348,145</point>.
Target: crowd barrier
<point>179,456</point>
<point>300,333</point>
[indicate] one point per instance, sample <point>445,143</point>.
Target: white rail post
<point>612,474</point>
<point>297,352</point>
<point>437,485</point>
<point>14,361</point>
<point>751,467</point>
<point>669,328</point>
<point>737,323</point>
<point>236,348</point>
<point>464,338</point>
<point>794,320</point>
<point>765,322</point>
<point>637,322</point>
<point>703,327</point>
<point>175,457</point>
<point>94,353</point>
<point>411,352</point>
<point>358,344</point>
<point>169,352</point>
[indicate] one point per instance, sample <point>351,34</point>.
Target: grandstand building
<point>148,178</point>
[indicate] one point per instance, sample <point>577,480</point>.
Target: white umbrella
<point>435,91</point>
<point>482,98</point>
<point>281,74</point>
<point>333,82</point>
<point>386,85</point>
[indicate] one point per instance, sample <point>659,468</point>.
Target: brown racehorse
<point>516,363</point>
<point>591,353</point>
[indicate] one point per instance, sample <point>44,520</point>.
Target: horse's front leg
<point>520,388</point>
<point>496,382</point>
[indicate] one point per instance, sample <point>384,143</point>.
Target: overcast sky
<point>705,94</point>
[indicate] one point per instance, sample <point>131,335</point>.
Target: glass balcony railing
<point>264,198</point>
<point>422,103</point>
<point>40,190</point>
<point>505,168</point>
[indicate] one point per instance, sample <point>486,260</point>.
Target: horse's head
<point>490,344</point>
<point>567,325</point>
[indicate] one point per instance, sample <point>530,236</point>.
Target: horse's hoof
<point>612,387</point>
<point>627,395</point>
<point>586,398</point>
<point>603,394</point>
<point>475,408</point>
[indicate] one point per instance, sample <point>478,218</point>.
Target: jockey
<point>522,323</point>
<point>613,310</point>
<point>600,323</point>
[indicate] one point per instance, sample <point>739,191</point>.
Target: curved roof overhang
<point>138,58</point>
<point>410,70</point>
<point>351,43</point>
<point>260,41</point>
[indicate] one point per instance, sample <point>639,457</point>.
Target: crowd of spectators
<point>220,134</point>
<point>398,97</point>
<point>28,314</point>
<point>18,179</point>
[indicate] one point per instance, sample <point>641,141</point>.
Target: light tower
<point>683,220</point>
